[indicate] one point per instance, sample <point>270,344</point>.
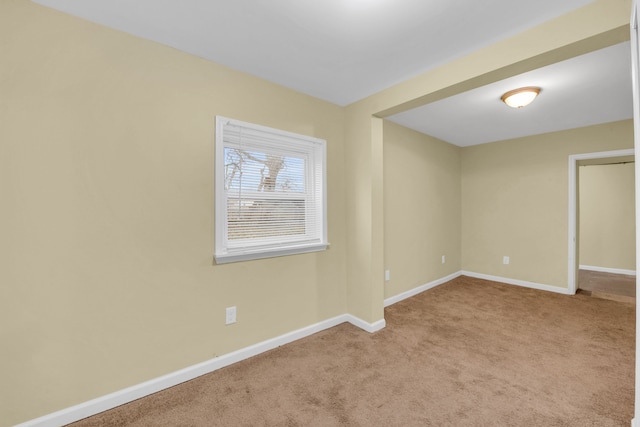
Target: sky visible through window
<point>253,171</point>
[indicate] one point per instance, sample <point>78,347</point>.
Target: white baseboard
<point>110,401</point>
<point>517,282</point>
<point>608,270</point>
<point>415,291</point>
<point>365,326</point>
<point>634,423</point>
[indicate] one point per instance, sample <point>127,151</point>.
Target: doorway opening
<point>606,229</point>
<point>575,161</point>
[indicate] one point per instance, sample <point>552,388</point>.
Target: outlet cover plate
<point>231,315</point>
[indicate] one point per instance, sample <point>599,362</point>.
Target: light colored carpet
<point>467,353</point>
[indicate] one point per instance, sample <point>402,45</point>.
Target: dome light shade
<point>519,98</point>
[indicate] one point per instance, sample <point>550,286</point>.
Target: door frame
<point>635,71</point>
<point>573,206</point>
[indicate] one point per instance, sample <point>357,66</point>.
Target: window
<point>270,192</point>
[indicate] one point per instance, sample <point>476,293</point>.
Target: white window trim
<point>223,253</point>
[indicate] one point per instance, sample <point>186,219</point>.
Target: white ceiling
<point>587,90</point>
<point>344,50</point>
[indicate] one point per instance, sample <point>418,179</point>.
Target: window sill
<point>226,258</point>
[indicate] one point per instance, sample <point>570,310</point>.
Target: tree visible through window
<point>273,192</point>
<point>265,194</point>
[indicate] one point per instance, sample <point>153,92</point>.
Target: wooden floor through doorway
<point>617,287</point>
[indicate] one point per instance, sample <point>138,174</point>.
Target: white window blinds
<point>270,192</point>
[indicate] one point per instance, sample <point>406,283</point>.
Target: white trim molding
<point>365,326</point>
<point>110,401</point>
<point>415,291</point>
<point>608,270</point>
<point>304,229</point>
<point>635,81</point>
<point>523,283</point>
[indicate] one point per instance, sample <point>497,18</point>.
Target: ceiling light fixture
<point>519,98</point>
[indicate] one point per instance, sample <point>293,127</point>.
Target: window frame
<point>314,152</point>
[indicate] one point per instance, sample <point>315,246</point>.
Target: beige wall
<point>515,201</point>
<point>363,154</point>
<point>421,208</point>
<point>106,145</point>
<point>607,216</point>
<point>600,24</point>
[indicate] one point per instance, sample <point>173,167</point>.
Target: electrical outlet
<point>231,315</point>
<point>443,259</point>
<point>505,260</point>
<point>387,275</point>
